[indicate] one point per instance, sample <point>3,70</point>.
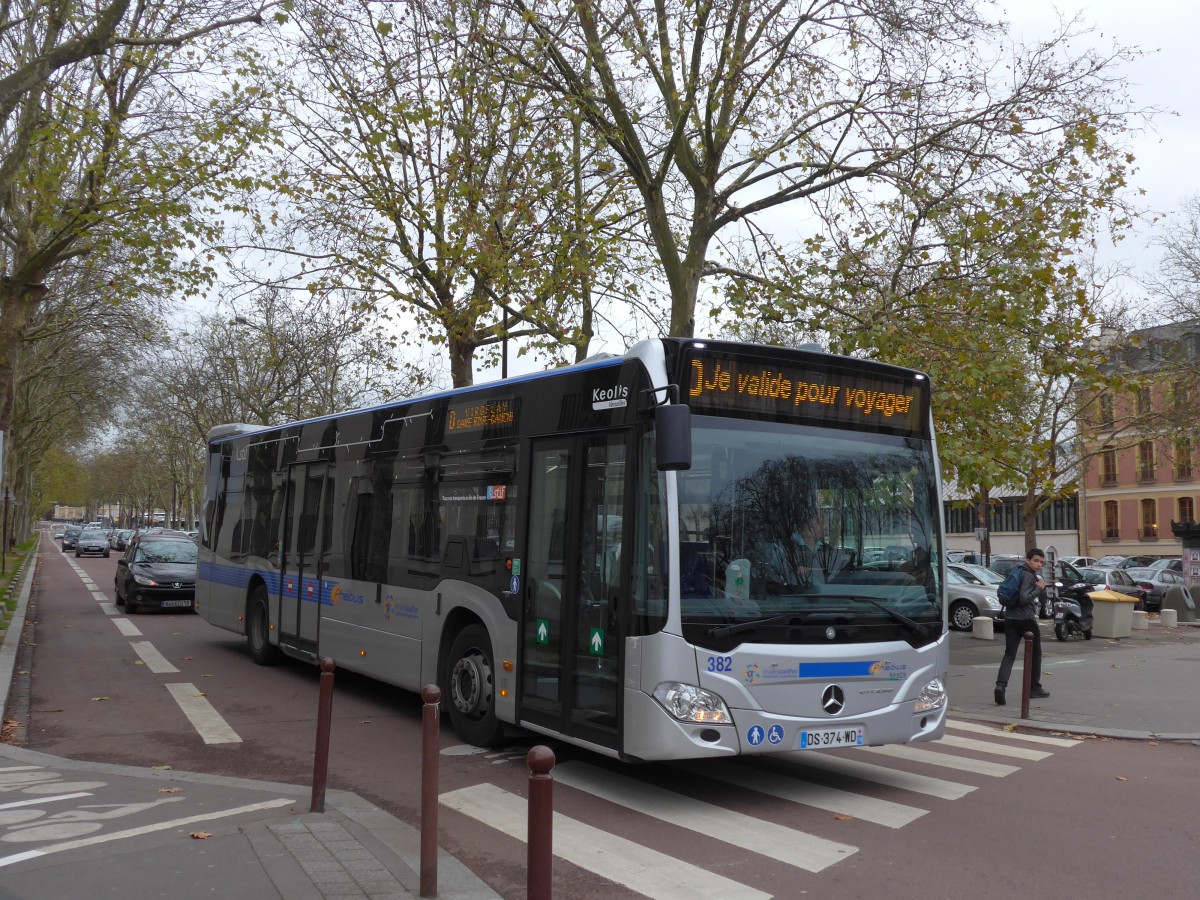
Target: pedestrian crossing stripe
<point>790,777</point>
<point>797,848</point>
<point>629,864</point>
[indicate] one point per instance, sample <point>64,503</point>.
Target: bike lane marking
<point>155,661</point>
<point>1003,735</point>
<point>144,829</point>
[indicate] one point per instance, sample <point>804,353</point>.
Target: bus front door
<point>300,588</point>
<point>572,625</point>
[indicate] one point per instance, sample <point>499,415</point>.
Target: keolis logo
<point>610,398</point>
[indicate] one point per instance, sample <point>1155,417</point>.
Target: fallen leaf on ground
<point>1122,778</point>
<point>205,675</point>
<point>169,790</point>
<point>1010,728</point>
<point>160,768</point>
<point>198,694</point>
<point>99,698</point>
<point>365,722</point>
<point>200,835</point>
<point>138,662</point>
<point>187,657</point>
<point>843,818</point>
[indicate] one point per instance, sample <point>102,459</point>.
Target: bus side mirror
<point>673,437</point>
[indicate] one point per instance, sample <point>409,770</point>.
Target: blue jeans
<point>1014,637</point>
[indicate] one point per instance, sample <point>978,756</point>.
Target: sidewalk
<point>123,831</point>
<point>1138,687</point>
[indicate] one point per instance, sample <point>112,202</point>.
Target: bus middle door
<point>301,589</point>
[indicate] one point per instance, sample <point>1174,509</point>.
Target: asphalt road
<point>984,813</point>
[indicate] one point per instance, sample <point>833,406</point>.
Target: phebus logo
<point>610,398</point>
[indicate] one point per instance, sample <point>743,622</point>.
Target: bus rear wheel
<point>470,688</point>
<point>258,628</point>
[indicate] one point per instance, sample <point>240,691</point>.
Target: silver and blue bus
<point>694,549</point>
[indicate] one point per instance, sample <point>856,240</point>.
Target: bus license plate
<point>847,736</point>
<point>167,603</point>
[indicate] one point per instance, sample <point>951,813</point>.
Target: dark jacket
<point>1028,593</point>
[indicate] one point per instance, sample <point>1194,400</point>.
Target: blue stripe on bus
<point>837,669</point>
<point>238,577</point>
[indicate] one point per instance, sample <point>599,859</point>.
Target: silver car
<point>1154,584</point>
<point>92,543</point>
<point>966,600</point>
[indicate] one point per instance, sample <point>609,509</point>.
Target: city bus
<point>693,549</point>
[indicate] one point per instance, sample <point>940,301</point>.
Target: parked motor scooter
<point>1073,613</point>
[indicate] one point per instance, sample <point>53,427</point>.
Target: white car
<point>1079,561</point>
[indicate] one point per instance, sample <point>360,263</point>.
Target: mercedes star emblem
<point>833,700</point>
<point>830,632</point>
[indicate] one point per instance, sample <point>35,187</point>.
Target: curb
<point>16,628</point>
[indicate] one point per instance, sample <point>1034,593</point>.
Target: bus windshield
<point>801,529</point>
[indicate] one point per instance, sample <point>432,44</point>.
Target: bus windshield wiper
<point>792,619</point>
<point>912,625</point>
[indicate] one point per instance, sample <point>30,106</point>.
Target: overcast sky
<point>1167,77</point>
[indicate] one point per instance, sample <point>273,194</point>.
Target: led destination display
<point>724,384</point>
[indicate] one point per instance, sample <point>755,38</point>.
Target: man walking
<point>1020,618</point>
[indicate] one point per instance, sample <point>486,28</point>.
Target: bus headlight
<point>932,696</point>
<point>689,703</point>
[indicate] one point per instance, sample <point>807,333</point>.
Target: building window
<point>1144,401</point>
<point>1183,459</point>
<point>1106,411</point>
<point>1108,467</point>
<point>1149,529</point>
<point>1187,511</point>
<point>1146,461</point>
<point>1112,520</point>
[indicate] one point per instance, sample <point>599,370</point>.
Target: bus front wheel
<point>258,630</point>
<point>470,688</point>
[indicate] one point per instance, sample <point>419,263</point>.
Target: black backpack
<point>1009,591</point>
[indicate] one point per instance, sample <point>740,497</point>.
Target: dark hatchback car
<point>158,571</point>
<point>71,536</point>
<point>92,543</point>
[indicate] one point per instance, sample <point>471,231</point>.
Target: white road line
<point>145,829</point>
<point>908,781</point>
<point>45,798</point>
<point>946,760</point>
<point>204,718</point>
<point>90,585</point>
<point>109,609</point>
<point>992,731</point>
<point>126,627</point>
<point>99,596</point>
<point>788,845</point>
<point>962,743</point>
<point>155,661</point>
<point>798,790</point>
<point>640,869</point>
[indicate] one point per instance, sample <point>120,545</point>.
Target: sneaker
<point>1039,693</point>
<point>999,695</point>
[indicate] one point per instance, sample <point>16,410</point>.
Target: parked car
<point>1078,561</point>
<point>71,536</point>
<point>92,542</point>
<point>158,571</point>
<point>966,600</point>
<point>1116,580</point>
<point>1123,562</point>
<point>121,541</point>
<point>1154,584</point>
<point>1175,565</point>
<point>975,574</point>
<point>1002,565</point>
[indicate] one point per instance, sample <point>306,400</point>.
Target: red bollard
<point>432,695</point>
<point>541,823</point>
<point>1027,675</point>
<point>324,719</point>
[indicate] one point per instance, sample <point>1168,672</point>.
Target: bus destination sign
<point>725,384</point>
<point>496,416</point>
